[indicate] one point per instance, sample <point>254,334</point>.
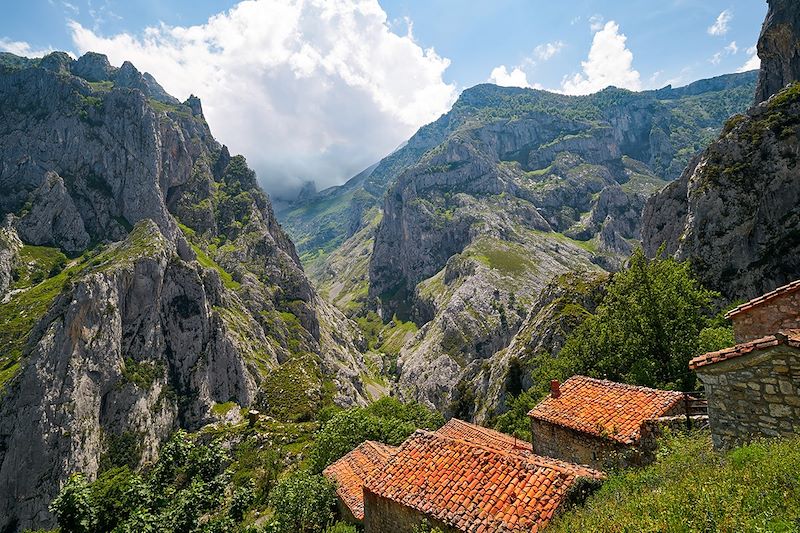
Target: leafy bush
<point>387,420</point>
<point>188,481</point>
<point>73,506</point>
<point>653,319</point>
<point>692,488</point>
<point>303,503</point>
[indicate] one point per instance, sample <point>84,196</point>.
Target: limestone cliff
<point>779,48</point>
<point>144,281</point>
<point>733,212</point>
<point>661,129</point>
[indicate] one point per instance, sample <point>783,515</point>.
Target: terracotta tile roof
<point>605,408</point>
<point>350,471</point>
<point>780,291</point>
<point>488,438</point>
<point>789,338</point>
<point>473,488</point>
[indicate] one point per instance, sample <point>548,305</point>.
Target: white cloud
<point>305,89</point>
<point>729,50</point>
<point>609,63</point>
<point>722,24</point>
<point>21,48</point>
<point>516,78</point>
<point>753,61</point>
<point>546,51</point>
<point>596,22</point>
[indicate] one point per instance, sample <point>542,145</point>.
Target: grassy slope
<point>692,488</point>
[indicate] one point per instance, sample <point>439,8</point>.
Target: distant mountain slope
<point>734,211</point>
<point>681,121</point>
<point>145,284</point>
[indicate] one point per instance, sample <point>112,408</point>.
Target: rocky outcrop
<point>10,245</point>
<point>734,212</point>
<point>53,219</point>
<point>779,48</point>
<point>133,350</point>
<point>152,322</point>
<point>560,308</point>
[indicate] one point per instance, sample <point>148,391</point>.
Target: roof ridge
<point>630,386</point>
<point>486,431</point>
<point>523,455</point>
<point>789,337</point>
<point>784,289</point>
<point>379,447</point>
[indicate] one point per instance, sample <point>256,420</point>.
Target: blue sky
<point>318,89</point>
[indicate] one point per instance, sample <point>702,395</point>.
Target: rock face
<point>521,191</point>
<point>151,323</point>
<point>779,48</point>
<point>734,211</point>
<point>9,248</point>
<point>560,308</point>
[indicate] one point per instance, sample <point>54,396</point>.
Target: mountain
<point>519,186</point>
<point>734,211</point>
<point>682,121</point>
<point>145,284</point>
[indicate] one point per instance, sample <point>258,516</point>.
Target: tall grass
<point>692,488</point>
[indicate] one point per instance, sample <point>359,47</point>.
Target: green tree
<point>303,503</point>
<point>73,507</point>
<point>387,420</point>
<point>646,329</point>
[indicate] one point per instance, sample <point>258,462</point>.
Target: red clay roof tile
<point>350,471</point>
<point>605,408</point>
<point>780,291</point>
<point>481,436</point>
<point>789,338</point>
<point>510,491</point>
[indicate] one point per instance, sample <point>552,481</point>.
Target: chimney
<point>555,388</point>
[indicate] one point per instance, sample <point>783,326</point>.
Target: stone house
<point>599,422</point>
<point>349,473</point>
<point>775,311</point>
<point>486,483</point>
<point>753,388</point>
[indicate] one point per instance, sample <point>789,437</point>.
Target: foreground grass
<point>692,488</point>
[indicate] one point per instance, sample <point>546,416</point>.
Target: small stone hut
<point>599,422</point>
<point>350,472</point>
<point>461,486</point>
<point>753,388</point>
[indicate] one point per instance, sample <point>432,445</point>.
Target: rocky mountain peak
<point>93,67</point>
<point>134,242</point>
<point>779,48</point>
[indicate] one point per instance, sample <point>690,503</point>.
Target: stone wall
<point>345,514</point>
<point>558,442</point>
<point>552,440</point>
<point>779,313</point>
<point>382,515</point>
<point>753,394</point>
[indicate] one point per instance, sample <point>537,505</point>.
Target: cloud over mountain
<point>610,62</point>
<point>305,89</point>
